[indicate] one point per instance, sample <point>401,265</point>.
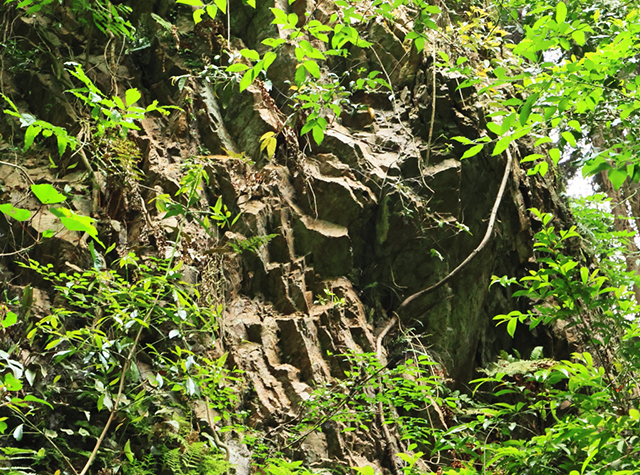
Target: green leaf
<point>531,158</point>
<point>310,124</point>
<point>132,96</point>
<point>118,102</point>
<point>271,147</point>
<point>301,74</point>
<point>502,145</point>
<point>475,150</point>
<point>617,177</point>
<point>212,11</point>
<point>247,79</point>
<point>250,54</point>
<point>18,214</point>
<point>318,134</point>
<point>30,135</point>
<point>561,12</point>
<point>313,68</point>
<point>197,15</point>
<point>31,398</point>
<point>574,124</point>
<point>237,67</point>
<point>273,42</point>
<point>511,327</point>
<point>594,166</point>
<point>47,194</point>
<point>366,470</point>
<point>193,3</point>
<point>11,383</point>
<point>626,112</point>
<point>526,108</point>
<point>571,140</point>
<point>222,5</point>
<point>63,141</point>
<point>494,127</point>
<point>579,37</point>
<point>127,451</point>
<point>268,59</point>
<point>76,222</point>
<point>9,319</point>
<point>541,167</point>
<point>292,20</point>
<point>463,140</point>
<point>542,140</point>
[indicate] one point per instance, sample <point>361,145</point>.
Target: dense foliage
<point>121,346</point>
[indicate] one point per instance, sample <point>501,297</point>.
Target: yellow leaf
<point>271,147</point>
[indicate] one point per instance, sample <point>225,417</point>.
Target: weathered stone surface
<point>364,218</point>
<point>327,243</point>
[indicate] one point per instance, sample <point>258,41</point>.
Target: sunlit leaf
<point>11,383</point>
<point>47,194</point>
<point>132,96</point>
<point>312,67</point>
<point>617,177</point>
<point>9,319</point>
<point>475,150</point>
<point>222,5</point>
<point>18,214</point>
<point>561,12</point>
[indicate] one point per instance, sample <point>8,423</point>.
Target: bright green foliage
<point>598,432</point>
<point>190,188</point>
<point>48,195</point>
<point>575,68</point>
<point>40,127</point>
<point>102,312</point>
<point>251,244</point>
<point>18,214</point>
<point>210,9</point>
<point>110,19</point>
<point>596,226</point>
<point>112,113</point>
<point>269,142</point>
<point>92,338</point>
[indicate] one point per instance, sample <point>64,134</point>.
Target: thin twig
<point>66,459</point>
<point>24,172</point>
<point>481,246</point>
<point>329,416</point>
<point>19,251</point>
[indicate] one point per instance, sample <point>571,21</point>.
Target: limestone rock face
<point>383,208</point>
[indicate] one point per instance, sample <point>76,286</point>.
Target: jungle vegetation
<point>563,76</point>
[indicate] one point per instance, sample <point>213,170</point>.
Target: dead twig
<point>24,172</point>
